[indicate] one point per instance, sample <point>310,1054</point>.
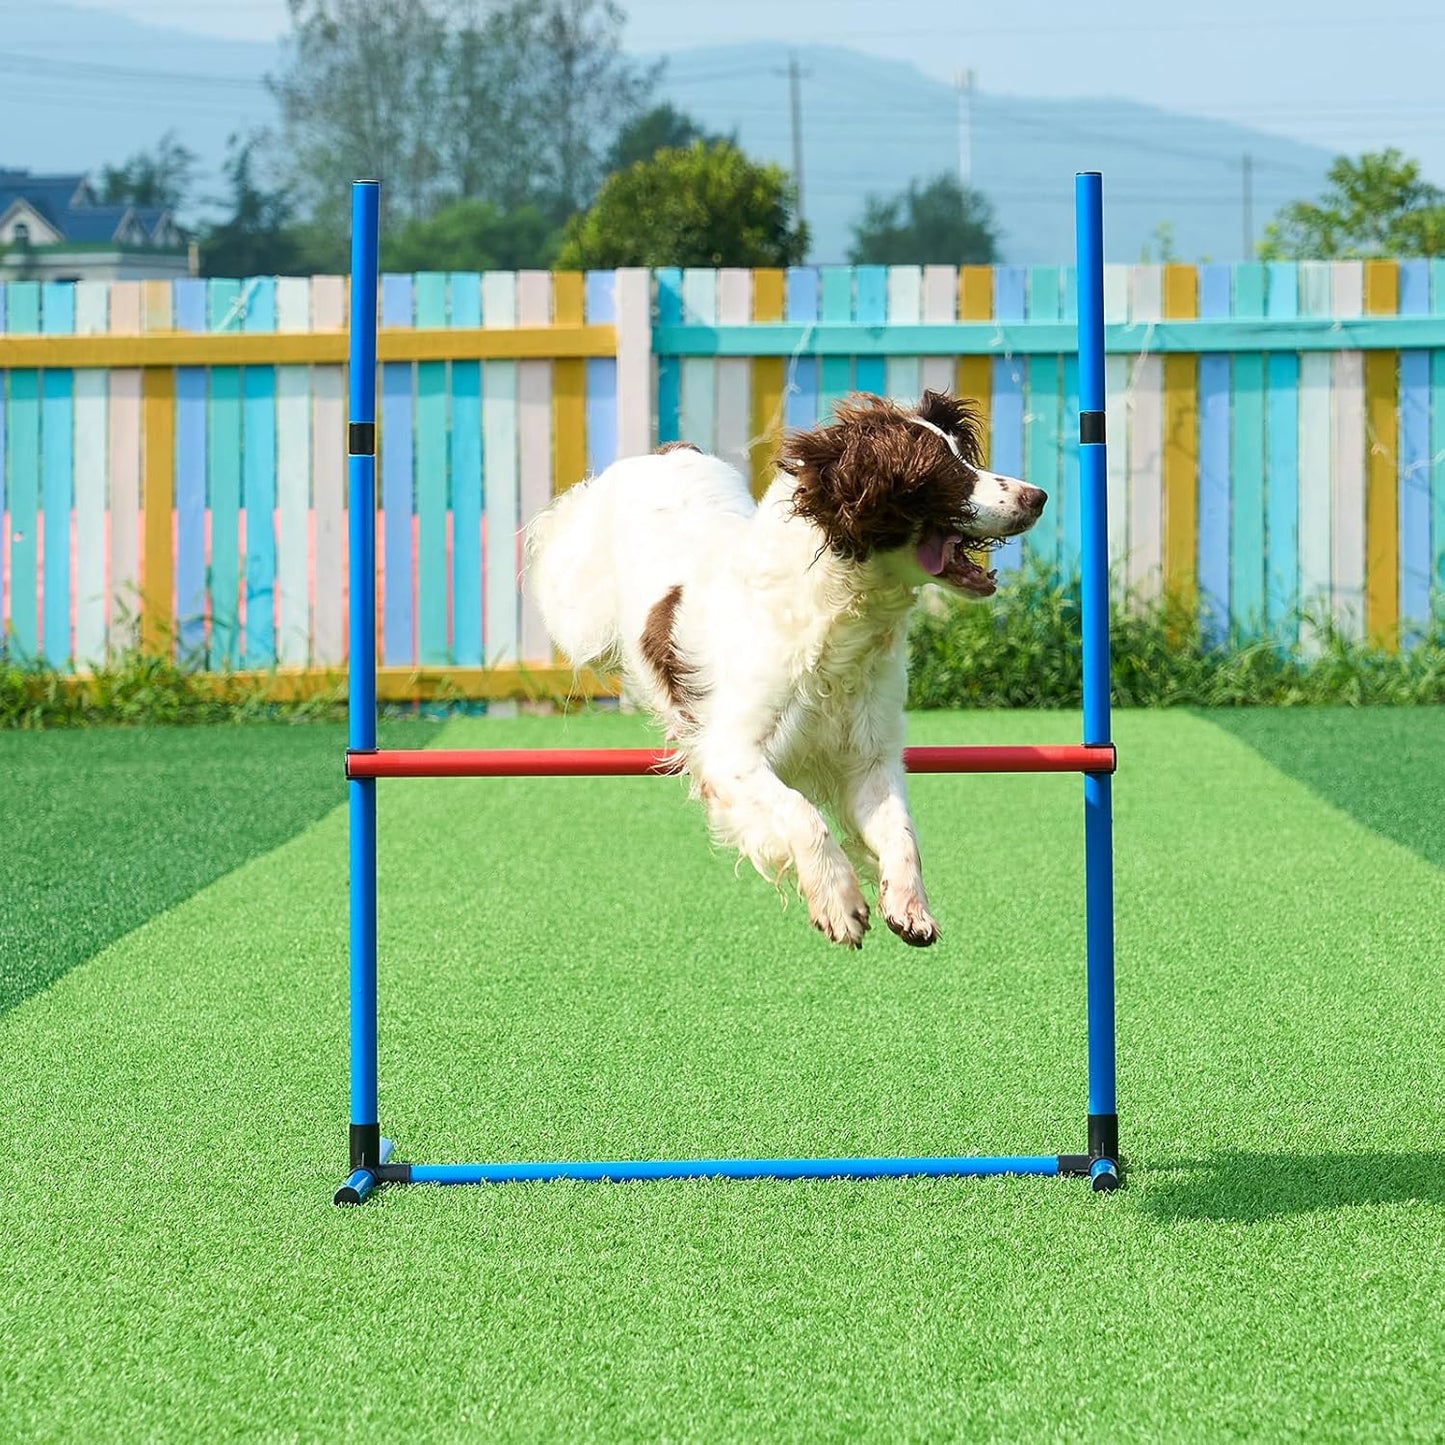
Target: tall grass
<point>1022,650</point>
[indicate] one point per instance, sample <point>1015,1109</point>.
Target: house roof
<point>67,204</point>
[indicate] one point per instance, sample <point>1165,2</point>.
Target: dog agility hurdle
<point>371,1153</point>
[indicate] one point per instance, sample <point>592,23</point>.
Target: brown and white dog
<point>769,637</point>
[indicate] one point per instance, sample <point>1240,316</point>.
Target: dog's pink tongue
<point>934,552</point>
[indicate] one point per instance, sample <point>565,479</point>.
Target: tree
<point>708,205</point>
<point>514,102</point>
<point>1375,206</point>
<point>942,222</point>
<point>256,238</point>
<point>161,177</point>
<point>473,236</point>
<point>663,128</point>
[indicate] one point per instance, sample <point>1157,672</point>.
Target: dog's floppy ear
<point>862,479</point>
<point>959,419</point>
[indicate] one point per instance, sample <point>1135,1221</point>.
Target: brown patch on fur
<point>874,480</point>
<point>659,648</point>
<point>666,447</point>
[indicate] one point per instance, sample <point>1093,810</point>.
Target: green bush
<point>1022,650</point>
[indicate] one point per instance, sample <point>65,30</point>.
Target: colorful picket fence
<point>173,451</point>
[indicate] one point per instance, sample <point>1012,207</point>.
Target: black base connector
<point>1104,1136</point>
<point>366,1147</point>
<point>1101,1165</point>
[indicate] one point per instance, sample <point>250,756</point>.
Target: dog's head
<point>908,484</point>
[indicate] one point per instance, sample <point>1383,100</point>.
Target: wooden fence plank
<point>973,375</point>
<point>800,404</point>
<point>1315,458</point>
<point>534,448</point>
<point>872,287</point>
<point>1437,437</point>
<point>396,582</point>
<point>465,289</point>
<point>635,390</point>
<point>1181,442</point>
<point>501,609</point>
<point>1008,375</point>
<point>1116,419</point>
<point>766,411</point>
<point>57,440</point>
<point>835,373</point>
<point>293,483</point>
<point>1246,522</point>
<point>1414,445</point>
<point>123,435</point>
<point>189,313</point>
<point>1282,462</point>
<point>1145,570</point>
<point>569,387</point>
<point>1212,545</point>
<point>433,579</point>
<point>734,374</point>
<point>22,441</point>
<point>939,303</point>
<point>697,376</point>
<point>671,310</point>
<point>328,479</point>
<point>1382,470</point>
<point>92,314</point>
<point>1347,500</point>
<point>1043,422</point>
<point>905,306</point>
<point>223,451</point>
<point>258,385</point>
<point>601,377</point>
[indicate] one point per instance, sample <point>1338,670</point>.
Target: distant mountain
<point>869,125</point>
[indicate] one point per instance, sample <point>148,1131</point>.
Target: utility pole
<point>1247,169</point>
<point>795,101</point>
<point>964,81</point>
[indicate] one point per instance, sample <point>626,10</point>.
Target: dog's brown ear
<point>959,418</point>
<point>859,478</point>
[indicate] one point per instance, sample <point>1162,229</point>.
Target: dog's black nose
<point>1032,499</point>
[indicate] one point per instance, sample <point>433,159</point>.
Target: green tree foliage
<point>708,205</point>
<point>161,177</point>
<point>1377,205</point>
<point>514,103</point>
<point>472,236</point>
<point>257,237</point>
<point>663,128</point>
<point>941,222</point>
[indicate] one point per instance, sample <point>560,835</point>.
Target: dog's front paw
<point>907,915</point>
<point>840,914</point>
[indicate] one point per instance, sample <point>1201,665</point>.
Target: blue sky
<point>1331,72</point>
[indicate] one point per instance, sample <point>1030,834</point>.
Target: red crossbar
<point>639,762</point>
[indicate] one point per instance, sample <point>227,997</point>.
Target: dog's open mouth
<point>945,558</point>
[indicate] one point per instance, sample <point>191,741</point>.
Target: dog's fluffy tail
<point>571,575</point>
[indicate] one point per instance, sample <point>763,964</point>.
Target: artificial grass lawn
<point>107,828</point>
<point>567,969</point>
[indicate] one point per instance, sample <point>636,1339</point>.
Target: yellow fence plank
<point>769,373</point>
<point>1382,492</point>
<point>1181,441</point>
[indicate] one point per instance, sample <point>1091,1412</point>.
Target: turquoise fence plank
<point>1069,294</point>
<point>870,372</point>
<point>1071,510</point>
<point>23,307</point>
<point>1247,606</point>
<point>189,312</point>
<point>259,484</point>
<point>1414,458</point>
<point>432,573</point>
<point>466,310</point>
<point>1437,440</point>
<point>223,469</point>
<point>800,387</point>
<point>57,440</point>
<point>835,373</point>
<point>600,299</point>
<point>1043,440</point>
<point>1006,454</point>
<point>1281,429</point>
<point>1213,481</point>
<point>397,484</point>
<point>22,456</point>
<point>669,369</point>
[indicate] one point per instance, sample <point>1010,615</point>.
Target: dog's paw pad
<point>910,920</point>
<point>844,923</point>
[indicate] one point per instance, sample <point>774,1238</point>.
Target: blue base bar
<point>624,1171</point>
<point>1103,1175</point>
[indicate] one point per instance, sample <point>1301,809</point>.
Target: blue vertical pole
<point>361,695</point>
<point>1098,816</point>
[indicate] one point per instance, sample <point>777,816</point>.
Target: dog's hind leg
<point>877,806</point>
<point>777,829</point>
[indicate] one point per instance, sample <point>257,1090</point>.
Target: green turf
<point>568,969</point>
<point>1383,765</point>
<point>108,827</point>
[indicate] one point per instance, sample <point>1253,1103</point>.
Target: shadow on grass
<point>1246,1188</point>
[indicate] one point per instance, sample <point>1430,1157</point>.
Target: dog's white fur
<point>794,658</point>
